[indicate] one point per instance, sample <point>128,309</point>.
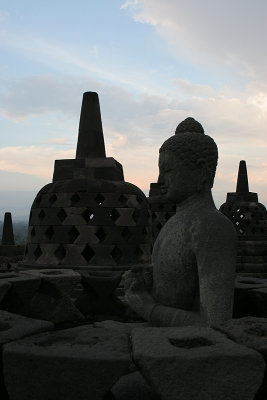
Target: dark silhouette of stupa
<point>88,216</point>
<point>250,220</point>
<point>8,234</point>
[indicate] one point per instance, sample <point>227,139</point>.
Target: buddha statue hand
<point>136,293</point>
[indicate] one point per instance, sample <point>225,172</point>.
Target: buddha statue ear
<point>202,173</point>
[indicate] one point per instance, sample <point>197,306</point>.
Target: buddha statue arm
<point>142,302</point>
<point>216,257</point>
<point>216,261</point>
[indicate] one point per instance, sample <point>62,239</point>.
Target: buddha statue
<point>194,256</point>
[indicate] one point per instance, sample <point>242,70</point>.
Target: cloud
<point>32,160</point>
<point>3,15</point>
<point>59,141</point>
<point>136,124</point>
<point>210,33</point>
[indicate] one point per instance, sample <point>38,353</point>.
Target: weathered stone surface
<point>251,332</point>
<point>259,300</point>
<point>79,363</point>
<point>98,298</point>
<point>18,297</point>
<point>64,279</point>
<point>243,298</point>
<point>14,327</point>
<point>196,363</point>
<point>194,255</point>
<point>248,331</point>
<point>4,286</point>
<point>133,387</point>
<point>50,304</point>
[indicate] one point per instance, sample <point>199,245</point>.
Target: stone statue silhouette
<point>194,256</point>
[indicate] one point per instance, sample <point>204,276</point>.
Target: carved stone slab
<point>78,363</point>
<point>196,363</point>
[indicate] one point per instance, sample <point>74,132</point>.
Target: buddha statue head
<point>187,162</point>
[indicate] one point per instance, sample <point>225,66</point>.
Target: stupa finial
<point>242,180</point>
<point>91,139</point>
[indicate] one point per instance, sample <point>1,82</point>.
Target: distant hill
<point>17,202</point>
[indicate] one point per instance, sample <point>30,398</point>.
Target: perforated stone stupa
<point>88,215</point>
<point>250,220</point>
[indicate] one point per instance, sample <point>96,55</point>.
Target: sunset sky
<point>153,63</point>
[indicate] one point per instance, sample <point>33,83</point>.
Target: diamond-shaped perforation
<point>52,199</point>
<point>123,199</point>
<point>88,215</point>
<point>100,199</point>
<point>139,199</point>
<point>62,215</point>
<point>114,214</point>
<point>138,251</point>
<point>88,253</point>
<point>33,232</point>
<point>116,254</point>
<point>73,233</point>
<point>75,198</point>
<point>136,215</point>
<point>60,252</point>
<point>37,252</point>
<point>41,215</point>
<point>126,233</point>
<point>100,234</point>
<point>49,232</point>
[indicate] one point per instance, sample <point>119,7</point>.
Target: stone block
<point>51,304</point>
<point>133,386</point>
<point>258,298</point>
<point>98,299</point>
<point>14,327</point>
<point>4,286</point>
<point>250,332</point>
<point>19,295</point>
<point>64,279</point>
<point>196,363</point>
<point>78,363</point>
<point>243,305</point>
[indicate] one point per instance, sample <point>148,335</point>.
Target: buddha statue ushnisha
<point>194,255</point>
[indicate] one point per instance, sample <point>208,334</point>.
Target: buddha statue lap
<point>194,256</point>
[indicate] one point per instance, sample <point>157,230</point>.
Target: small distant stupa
<point>8,234</point>
<point>250,220</point>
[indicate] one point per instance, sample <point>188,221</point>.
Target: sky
<point>153,64</point>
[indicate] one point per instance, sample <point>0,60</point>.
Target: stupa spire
<point>91,139</point>
<point>242,180</point>
<point>8,235</point>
